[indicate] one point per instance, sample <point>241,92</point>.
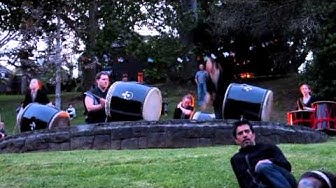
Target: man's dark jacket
<point>245,172</point>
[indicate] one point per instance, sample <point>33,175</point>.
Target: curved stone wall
<point>143,134</point>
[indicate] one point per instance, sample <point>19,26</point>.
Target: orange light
<point>246,75</point>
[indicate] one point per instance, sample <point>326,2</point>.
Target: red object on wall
<point>140,77</point>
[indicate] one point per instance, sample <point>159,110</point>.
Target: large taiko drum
<point>202,116</point>
<point>301,117</point>
<point>37,116</point>
<point>247,101</point>
<point>132,101</point>
<point>325,115</point>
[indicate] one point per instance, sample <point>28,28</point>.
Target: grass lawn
<point>185,167</point>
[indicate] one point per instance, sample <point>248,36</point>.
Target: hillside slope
<point>285,92</point>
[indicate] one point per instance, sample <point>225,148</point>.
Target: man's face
<point>103,81</point>
<point>244,136</point>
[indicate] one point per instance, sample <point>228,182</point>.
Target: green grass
<point>191,167</point>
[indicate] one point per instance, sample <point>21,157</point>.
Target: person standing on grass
<point>200,79</point>
<point>94,99</point>
<point>259,165</point>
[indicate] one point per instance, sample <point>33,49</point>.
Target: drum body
<point>37,116</point>
<point>202,116</point>
<point>132,101</point>
<point>250,102</point>
<point>301,117</point>
<point>325,115</point>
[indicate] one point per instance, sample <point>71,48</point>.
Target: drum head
<point>225,99</point>
<point>109,98</point>
<point>247,101</point>
<point>61,119</point>
<point>267,106</point>
<point>37,116</point>
<point>152,106</point>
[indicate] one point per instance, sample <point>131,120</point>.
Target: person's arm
<point>184,110</point>
<point>196,78</point>
<point>238,175</point>
<point>308,108</point>
<point>279,159</point>
<point>91,107</point>
<point>299,104</point>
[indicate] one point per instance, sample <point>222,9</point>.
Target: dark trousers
<point>273,176</point>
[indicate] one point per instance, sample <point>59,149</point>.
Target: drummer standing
<point>217,82</point>
<point>305,101</point>
<point>94,99</point>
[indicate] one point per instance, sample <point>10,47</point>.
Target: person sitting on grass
<point>317,179</point>
<point>259,165</point>
<point>71,111</point>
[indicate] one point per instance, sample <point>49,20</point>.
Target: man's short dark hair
<point>98,75</point>
<point>240,123</point>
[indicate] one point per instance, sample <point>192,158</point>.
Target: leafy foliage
<point>320,73</point>
<point>267,37</point>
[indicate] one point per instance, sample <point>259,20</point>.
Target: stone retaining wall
<point>143,134</point>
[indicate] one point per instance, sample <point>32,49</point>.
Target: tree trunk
<point>89,70</point>
<point>23,82</point>
<point>58,89</point>
<point>191,5</point>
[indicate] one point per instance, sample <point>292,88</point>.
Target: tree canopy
<point>265,37</point>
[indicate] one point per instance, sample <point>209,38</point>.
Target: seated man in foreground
<point>259,165</point>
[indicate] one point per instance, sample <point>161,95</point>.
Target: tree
<point>266,34</point>
<point>320,72</point>
<point>37,21</point>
